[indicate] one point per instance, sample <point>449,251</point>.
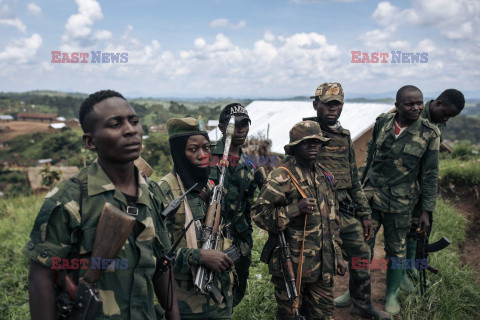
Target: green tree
<point>49,176</point>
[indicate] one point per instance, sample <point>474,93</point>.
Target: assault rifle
<point>113,229</point>
<point>175,204</point>
<point>423,249</point>
<point>204,279</point>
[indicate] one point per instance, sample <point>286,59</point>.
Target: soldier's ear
<point>88,141</point>
<point>221,126</point>
<point>315,105</point>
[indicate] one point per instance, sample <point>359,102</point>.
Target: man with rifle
<point>355,224</point>
<point>239,188</point>
<point>448,105</point>
<point>72,225</point>
<point>297,206</point>
<point>190,149</point>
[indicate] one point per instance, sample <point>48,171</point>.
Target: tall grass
<point>463,172</point>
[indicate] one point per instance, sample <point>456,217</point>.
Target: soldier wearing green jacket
<point>355,225</point>
<point>280,207</point>
<point>190,149</point>
<point>72,210</point>
<point>449,104</point>
<point>401,164</point>
<point>239,188</point>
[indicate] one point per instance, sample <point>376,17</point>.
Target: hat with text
<point>235,109</point>
<point>329,91</point>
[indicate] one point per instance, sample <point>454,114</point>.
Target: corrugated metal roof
<point>280,116</point>
<point>57,125</point>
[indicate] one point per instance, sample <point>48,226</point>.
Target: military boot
<point>343,301</point>
<point>370,312</point>
<point>411,251</point>
<point>394,277</point>
<point>407,285</point>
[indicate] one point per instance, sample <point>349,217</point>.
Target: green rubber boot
<point>411,250</point>
<point>344,300</point>
<point>394,277</point>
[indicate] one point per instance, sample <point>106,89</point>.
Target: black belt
<point>349,208</point>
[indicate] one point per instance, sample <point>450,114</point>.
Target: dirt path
<point>378,277</point>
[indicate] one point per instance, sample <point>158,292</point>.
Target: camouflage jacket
<point>275,209</point>
<point>55,234</point>
<point>398,169</point>
<point>238,189</point>
<point>426,115</point>
<point>339,157</point>
<point>191,304</point>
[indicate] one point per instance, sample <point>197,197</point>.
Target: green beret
<point>185,127</point>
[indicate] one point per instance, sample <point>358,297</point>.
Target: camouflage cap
<point>236,109</point>
<point>185,126</point>
<point>303,131</point>
<point>329,91</point>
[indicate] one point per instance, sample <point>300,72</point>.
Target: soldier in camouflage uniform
<point>281,207</point>
<point>355,224</point>
<point>401,163</point>
<point>190,149</point>
<point>448,105</point>
<point>111,128</point>
<point>239,188</point>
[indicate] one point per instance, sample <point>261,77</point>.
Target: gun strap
<point>300,258</point>
<point>191,234</point>
<point>76,275</point>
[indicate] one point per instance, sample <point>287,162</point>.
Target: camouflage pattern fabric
<point>399,169</point>
<point>54,235</point>
<point>275,209</point>
<point>315,299</point>
<point>239,188</point>
<point>339,157</point>
<point>191,304</point>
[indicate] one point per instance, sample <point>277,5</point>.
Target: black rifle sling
<point>76,275</point>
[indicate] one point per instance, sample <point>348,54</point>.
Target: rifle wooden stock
<point>143,166</point>
<point>113,229</point>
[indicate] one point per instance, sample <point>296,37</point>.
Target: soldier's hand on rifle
<point>367,229</point>
<point>341,267</point>
<point>306,205</point>
<point>215,260</point>
<point>423,223</point>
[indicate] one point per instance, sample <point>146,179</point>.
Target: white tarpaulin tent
<point>278,117</point>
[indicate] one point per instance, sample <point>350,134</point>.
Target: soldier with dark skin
<point>401,164</point>
<point>355,224</point>
<point>448,105</point>
<point>280,207</point>
<point>190,149</point>
<point>239,188</point>
<point>112,129</point>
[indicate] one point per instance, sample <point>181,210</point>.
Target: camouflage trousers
<point>242,267</point>
<point>316,300</point>
<point>354,245</point>
<point>395,229</point>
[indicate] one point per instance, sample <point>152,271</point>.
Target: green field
<point>453,294</point>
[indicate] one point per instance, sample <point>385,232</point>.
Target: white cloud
<point>78,27</point>
<point>21,50</point>
<point>222,22</point>
<point>14,23</point>
<point>34,9</point>
<point>313,1</point>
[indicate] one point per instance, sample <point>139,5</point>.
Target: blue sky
<point>250,49</point>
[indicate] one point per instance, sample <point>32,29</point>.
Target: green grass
<point>464,172</point>
<point>453,293</point>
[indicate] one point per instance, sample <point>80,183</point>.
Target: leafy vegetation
<point>462,172</point>
<point>463,128</point>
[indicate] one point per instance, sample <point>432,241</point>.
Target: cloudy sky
<point>231,48</point>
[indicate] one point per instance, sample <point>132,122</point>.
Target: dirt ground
<point>22,127</point>
<point>378,278</point>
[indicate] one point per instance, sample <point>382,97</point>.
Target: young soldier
<point>448,105</point>
<point>239,188</point>
<point>280,207</point>
<point>401,163</point>
<point>71,211</point>
<point>355,224</point>
<point>190,149</point>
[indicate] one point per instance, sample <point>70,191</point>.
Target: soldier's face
<point>197,151</point>
<point>308,149</point>
<point>440,112</point>
<point>116,133</point>
<point>410,106</point>
<point>241,131</point>
<point>328,112</point>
